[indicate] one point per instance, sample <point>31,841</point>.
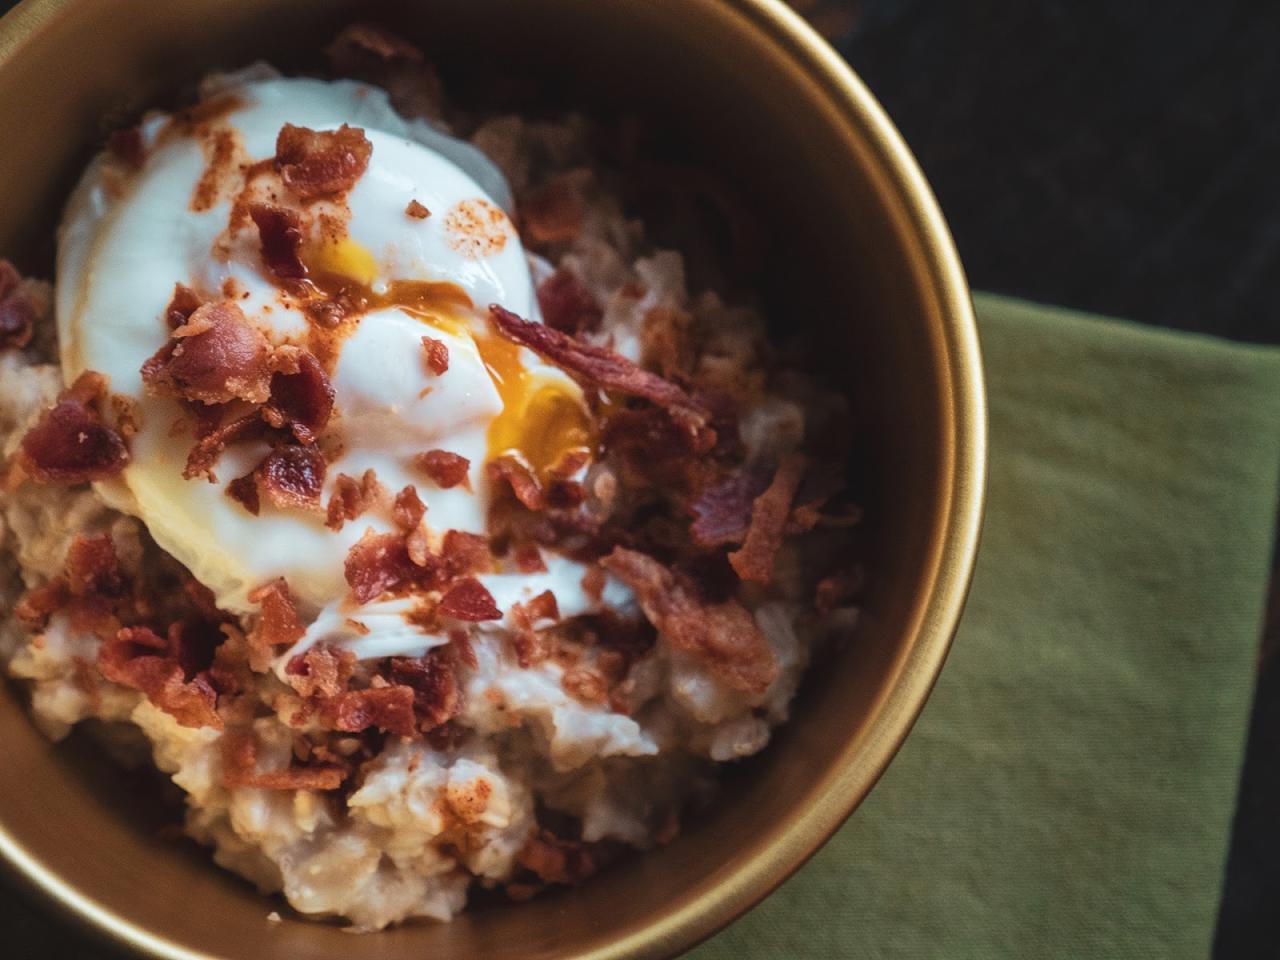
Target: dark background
<point>1121,157</point>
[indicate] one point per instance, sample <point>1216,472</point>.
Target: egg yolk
<point>543,419</point>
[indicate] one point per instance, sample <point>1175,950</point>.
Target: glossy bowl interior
<point>856,251</point>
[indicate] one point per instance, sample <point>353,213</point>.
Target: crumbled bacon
<point>723,635</point>
<point>350,499</point>
<point>301,399</point>
<point>138,658</point>
<point>94,569</point>
<point>541,607</point>
<point>292,477</point>
<point>444,468</point>
<point>723,512</point>
<point>469,599</point>
<point>126,143</point>
<point>321,163</point>
<point>464,553</point>
<point>437,352</point>
<point>278,624</point>
<point>320,672</point>
<point>593,583</point>
<point>280,237</point>
<point>377,563</point>
<point>240,768</point>
<point>608,371</point>
<point>244,491</point>
<point>567,304</point>
<point>215,357</point>
<point>40,603</point>
<point>769,513</point>
<point>204,454</point>
<point>416,210</point>
<point>387,708</point>
<point>70,443</point>
<point>528,558</point>
<point>554,859</point>
<point>437,696</point>
<point>408,509</point>
<point>182,305</point>
<point>525,486</point>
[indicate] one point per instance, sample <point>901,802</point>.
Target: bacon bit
<point>70,443</point>
<point>126,143</point>
<point>94,569</point>
<point>215,357</point>
<point>464,553</point>
<point>182,305</point>
<point>321,163</point>
<point>350,499</point>
<point>469,599</point>
<point>552,212</point>
<point>723,512</point>
<point>321,671</point>
<point>40,603</point>
<point>437,355</point>
<point>416,210</point>
<point>556,860</point>
<point>460,644</point>
<point>437,697</point>
<point>292,477</point>
<point>387,708</point>
<point>567,305</point>
<point>593,583</point>
<point>723,635</point>
<point>244,491</point>
<point>140,659</point>
<point>586,685</point>
<point>301,399</point>
<point>446,469</point>
<point>565,494</point>
<point>377,563</point>
<point>240,768</point>
<point>524,484</point>
<point>280,237</point>
<point>608,371</point>
<point>278,625</point>
<point>528,558</point>
<point>541,607</point>
<point>408,509</point>
<point>204,454</point>
<point>769,512</point>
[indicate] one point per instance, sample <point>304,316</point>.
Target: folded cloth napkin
<point>1069,788</point>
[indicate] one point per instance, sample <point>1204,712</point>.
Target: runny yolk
<point>543,418</point>
<point>343,258</point>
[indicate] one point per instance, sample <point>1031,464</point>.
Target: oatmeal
<point>399,497</point>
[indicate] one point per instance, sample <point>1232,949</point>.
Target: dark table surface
<point>1116,157</point>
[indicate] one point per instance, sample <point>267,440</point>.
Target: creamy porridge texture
<point>375,478</point>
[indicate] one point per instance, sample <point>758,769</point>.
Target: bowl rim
<point>773,862</point>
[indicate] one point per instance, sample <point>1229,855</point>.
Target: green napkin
<point>1068,790</point>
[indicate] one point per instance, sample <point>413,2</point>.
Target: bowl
<point>856,250</point>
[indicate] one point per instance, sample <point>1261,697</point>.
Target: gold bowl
<point>858,252</point>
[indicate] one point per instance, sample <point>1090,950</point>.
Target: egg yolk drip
<point>543,419</point>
